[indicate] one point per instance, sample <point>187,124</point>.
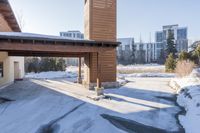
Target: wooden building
<point>98,51</point>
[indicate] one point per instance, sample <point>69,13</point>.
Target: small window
<point>1,69</point>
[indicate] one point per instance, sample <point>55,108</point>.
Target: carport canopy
<point>28,44</point>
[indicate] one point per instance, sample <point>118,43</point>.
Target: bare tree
<point>20,19</point>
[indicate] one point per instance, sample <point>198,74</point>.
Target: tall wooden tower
<point>100,25</point>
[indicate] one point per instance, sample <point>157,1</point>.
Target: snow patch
<point>163,75</point>
<point>51,75</point>
<point>189,98</point>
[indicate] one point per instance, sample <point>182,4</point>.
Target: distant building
<point>74,35</point>
<point>124,51</point>
<point>180,35</point>
<point>149,51</point>
<point>130,52</point>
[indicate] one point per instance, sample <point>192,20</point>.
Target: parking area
<point>56,105</point>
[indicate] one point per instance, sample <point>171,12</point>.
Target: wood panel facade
<point>7,13</point>
<point>4,26</point>
<point>100,25</point>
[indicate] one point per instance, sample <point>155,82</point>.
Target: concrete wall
<point>8,65</point>
<point>8,62</point>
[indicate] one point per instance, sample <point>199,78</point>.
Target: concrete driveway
<point>144,105</point>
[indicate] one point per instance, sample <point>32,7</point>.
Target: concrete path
<point>144,105</point>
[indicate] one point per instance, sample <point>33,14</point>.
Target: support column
<point>98,72</point>
<point>99,89</point>
<point>79,70</point>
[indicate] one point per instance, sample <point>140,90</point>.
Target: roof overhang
<point>26,44</point>
<point>7,12</point>
<point>31,37</point>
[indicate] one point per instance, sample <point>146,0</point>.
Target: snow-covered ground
<point>144,105</point>
<point>142,66</point>
<point>71,72</point>
<point>134,75</point>
<point>50,102</point>
<point>189,98</point>
<point>51,75</point>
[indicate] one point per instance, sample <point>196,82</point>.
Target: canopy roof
<point>49,38</point>
<point>27,44</point>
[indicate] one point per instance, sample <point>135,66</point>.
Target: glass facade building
<point>180,35</point>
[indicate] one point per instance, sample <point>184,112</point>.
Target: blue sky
<point>135,17</point>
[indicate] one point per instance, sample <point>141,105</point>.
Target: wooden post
<point>98,72</point>
<point>99,89</point>
<point>79,70</point>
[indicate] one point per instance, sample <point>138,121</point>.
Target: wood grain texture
<point>100,25</point>
<point>4,26</point>
<point>7,12</point>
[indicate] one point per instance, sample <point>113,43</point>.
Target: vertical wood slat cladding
<point>7,13</point>
<point>100,24</point>
<point>4,27</point>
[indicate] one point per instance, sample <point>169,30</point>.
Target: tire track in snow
<point>52,126</point>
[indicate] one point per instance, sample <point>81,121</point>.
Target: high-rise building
<point>72,35</point>
<point>143,52</point>
<point>180,35</point>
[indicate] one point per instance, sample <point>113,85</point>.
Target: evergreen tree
<point>171,46</point>
<point>60,65</point>
<point>133,54</point>
<point>170,64</point>
<point>47,64</point>
<point>44,64</point>
<point>52,64</point>
<point>32,64</point>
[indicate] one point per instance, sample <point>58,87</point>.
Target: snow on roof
<point>40,37</point>
<point>30,35</point>
<point>23,35</point>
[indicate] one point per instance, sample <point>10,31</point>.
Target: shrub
<point>184,68</point>
<point>183,56</point>
<point>170,63</point>
<point>197,54</point>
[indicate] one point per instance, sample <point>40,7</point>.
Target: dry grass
<point>184,68</point>
<point>140,69</point>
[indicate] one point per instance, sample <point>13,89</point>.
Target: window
<point>141,47</point>
<point>159,37</point>
<point>127,47</point>
<point>1,69</point>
